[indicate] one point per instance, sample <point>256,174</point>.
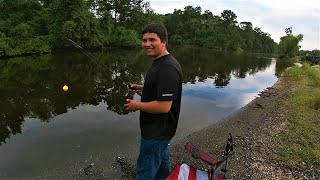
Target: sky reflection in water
<point>94,133</point>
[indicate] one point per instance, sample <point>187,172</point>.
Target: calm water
<point>48,133</point>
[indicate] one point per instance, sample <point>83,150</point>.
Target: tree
<point>289,46</point>
<point>247,34</point>
<point>228,18</point>
<point>72,16</point>
<point>37,26</point>
<point>207,15</point>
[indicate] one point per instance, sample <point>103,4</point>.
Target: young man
<point>159,106</point>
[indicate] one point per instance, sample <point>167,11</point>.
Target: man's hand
<point>131,105</point>
<point>137,88</point>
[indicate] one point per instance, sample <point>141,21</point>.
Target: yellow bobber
<point>65,88</point>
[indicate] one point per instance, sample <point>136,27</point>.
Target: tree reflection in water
<point>31,87</point>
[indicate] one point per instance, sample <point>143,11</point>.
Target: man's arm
<point>153,107</point>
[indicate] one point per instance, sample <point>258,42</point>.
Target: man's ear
<point>165,43</point>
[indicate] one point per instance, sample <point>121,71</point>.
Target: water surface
<point>48,133</point>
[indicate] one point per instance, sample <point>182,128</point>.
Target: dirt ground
<point>254,129</point>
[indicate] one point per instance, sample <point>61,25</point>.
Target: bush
<point>176,40</point>
<point>313,73</point>
<point>39,44</point>
<point>125,38</point>
<point>21,31</point>
<point>4,45</point>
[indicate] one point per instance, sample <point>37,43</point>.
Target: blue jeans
<point>154,160</point>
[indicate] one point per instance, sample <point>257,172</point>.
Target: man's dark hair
<point>157,28</point>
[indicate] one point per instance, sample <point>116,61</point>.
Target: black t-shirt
<point>163,82</point>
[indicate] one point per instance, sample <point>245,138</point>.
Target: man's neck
<point>165,52</point>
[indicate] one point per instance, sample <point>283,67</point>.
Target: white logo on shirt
<point>167,94</point>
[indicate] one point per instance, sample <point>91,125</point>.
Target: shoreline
<point>253,128</point>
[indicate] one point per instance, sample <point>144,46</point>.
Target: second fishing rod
<point>131,92</point>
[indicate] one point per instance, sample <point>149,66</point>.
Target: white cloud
<point>289,4</point>
<point>272,16</point>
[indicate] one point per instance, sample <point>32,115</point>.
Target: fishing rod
<point>90,56</point>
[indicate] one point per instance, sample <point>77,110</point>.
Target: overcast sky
<point>272,16</point>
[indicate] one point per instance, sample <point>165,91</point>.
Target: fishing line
<point>90,56</point>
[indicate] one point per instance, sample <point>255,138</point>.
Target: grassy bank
<point>299,144</point>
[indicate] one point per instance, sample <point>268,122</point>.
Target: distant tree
<point>39,26</point>
<point>289,45</point>
<point>315,52</point>
<point>247,34</point>
<point>207,15</point>
<point>228,18</point>
<point>72,19</point>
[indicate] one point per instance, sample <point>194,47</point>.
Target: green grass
<point>313,73</point>
<point>317,100</point>
<point>299,147</point>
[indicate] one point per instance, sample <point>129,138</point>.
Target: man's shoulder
<point>171,69</point>
<point>170,60</point>
<point>171,57</point>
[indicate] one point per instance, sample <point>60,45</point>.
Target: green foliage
<point>39,44</point>
<point>247,32</point>
<point>124,38</point>
<point>98,23</point>
<point>219,32</point>
<point>4,46</point>
<point>72,19</point>
<point>296,73</point>
<point>300,146</point>
<point>317,100</point>
<point>239,51</point>
<point>289,46</point>
<point>314,75</point>
<point>68,28</point>
<point>305,65</point>
<point>177,39</point>
<point>22,30</point>
<point>228,18</point>
<point>315,52</point>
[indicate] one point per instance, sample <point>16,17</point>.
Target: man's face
<point>153,45</point>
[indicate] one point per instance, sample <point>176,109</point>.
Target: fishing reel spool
<point>131,92</point>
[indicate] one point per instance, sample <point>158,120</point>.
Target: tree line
<point>40,26</point>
